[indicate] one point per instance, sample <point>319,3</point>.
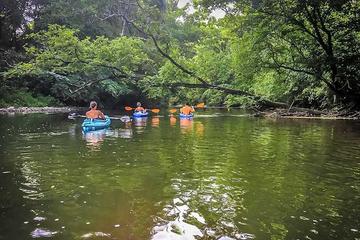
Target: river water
<point>220,176</point>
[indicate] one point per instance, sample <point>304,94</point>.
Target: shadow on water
<point>163,178</point>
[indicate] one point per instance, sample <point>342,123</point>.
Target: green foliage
<point>23,98</point>
<point>290,55</point>
<point>290,51</point>
<point>313,41</point>
<point>225,59</point>
<point>84,68</point>
<point>89,16</point>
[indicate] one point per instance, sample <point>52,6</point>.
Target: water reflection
<point>31,184</point>
<point>94,138</point>
<point>125,132</point>
<point>246,178</point>
<point>172,120</point>
<point>155,121</point>
<point>186,125</point>
<point>96,235</point>
<point>72,130</point>
<point>42,233</point>
<point>140,124</point>
<point>178,228</point>
<point>184,217</point>
<point>199,129</point>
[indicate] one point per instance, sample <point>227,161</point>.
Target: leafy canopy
<point>83,68</point>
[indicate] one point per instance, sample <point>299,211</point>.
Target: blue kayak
<point>188,116</point>
<point>140,114</point>
<point>96,124</point>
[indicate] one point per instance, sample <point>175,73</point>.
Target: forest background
<point>247,53</point>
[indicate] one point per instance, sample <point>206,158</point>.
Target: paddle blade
<point>155,110</point>
<point>200,105</point>
<point>128,108</point>
<point>172,110</point>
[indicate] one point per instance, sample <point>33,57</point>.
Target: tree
<point>83,68</point>
<point>277,53</point>
<point>321,38</point>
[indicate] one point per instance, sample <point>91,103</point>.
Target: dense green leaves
<point>83,68</point>
<point>302,52</point>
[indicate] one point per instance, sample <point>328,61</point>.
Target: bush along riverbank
<point>24,98</point>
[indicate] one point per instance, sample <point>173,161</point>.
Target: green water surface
<point>218,176</point>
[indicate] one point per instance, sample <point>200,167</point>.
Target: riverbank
<point>309,114</point>
<point>26,110</point>
<point>268,113</point>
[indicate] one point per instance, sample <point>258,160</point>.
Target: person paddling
<point>186,109</point>
<point>93,113</point>
<point>139,108</point>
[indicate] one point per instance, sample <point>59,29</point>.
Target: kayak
<point>140,114</point>
<point>95,124</point>
<point>187,116</point>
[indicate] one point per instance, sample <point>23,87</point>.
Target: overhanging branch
<point>203,83</point>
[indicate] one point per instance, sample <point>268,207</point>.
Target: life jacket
<point>186,110</point>
<point>139,109</point>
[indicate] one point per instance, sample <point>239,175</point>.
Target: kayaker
<point>186,109</point>
<point>139,108</point>
<point>93,113</point>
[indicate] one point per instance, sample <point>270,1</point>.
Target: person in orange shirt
<point>94,113</point>
<point>187,109</point>
<point>139,108</point>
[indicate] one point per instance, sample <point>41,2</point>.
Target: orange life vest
<point>186,110</point>
<point>139,109</point>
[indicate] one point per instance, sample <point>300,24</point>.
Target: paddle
<point>154,110</point>
<point>123,118</point>
<point>200,105</point>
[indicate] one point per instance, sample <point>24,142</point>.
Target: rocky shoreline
<point>25,110</point>
<point>267,113</point>
<point>330,115</point>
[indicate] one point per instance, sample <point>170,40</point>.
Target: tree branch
<point>203,83</point>
<point>88,84</point>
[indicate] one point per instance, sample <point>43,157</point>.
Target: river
<point>221,175</point>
